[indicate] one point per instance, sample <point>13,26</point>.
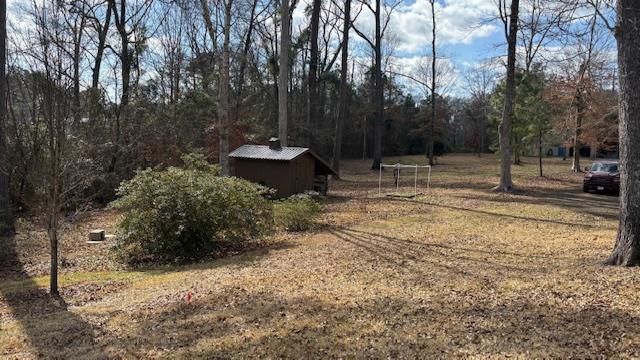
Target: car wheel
<point>585,189</point>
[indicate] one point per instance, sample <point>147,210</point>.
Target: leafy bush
<point>184,214</point>
<point>197,161</point>
<point>296,213</point>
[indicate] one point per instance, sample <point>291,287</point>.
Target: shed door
<point>301,175</point>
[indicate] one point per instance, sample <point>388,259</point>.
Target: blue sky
<point>466,35</point>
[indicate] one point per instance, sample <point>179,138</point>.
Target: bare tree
<point>244,59</point>
<point>96,17</point>
<point>579,103</point>
<point>283,78</point>
<point>579,67</point>
<point>224,82</point>
<point>381,24</point>
<point>345,95</point>
<point>581,93</point>
<point>75,20</point>
<point>65,164</point>
<point>314,112</point>
<point>211,29</point>
<point>480,81</point>
<point>627,248</point>
<point>223,98</point>
<point>431,137</point>
<point>101,25</point>
<point>130,25</point>
<point>541,24</point>
<point>510,22</point>
<point>6,218</point>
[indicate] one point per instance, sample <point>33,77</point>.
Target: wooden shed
<point>287,169</point>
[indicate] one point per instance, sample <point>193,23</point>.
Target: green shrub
<point>198,162</point>
<point>185,214</point>
<point>296,213</point>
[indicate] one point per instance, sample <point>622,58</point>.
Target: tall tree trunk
<point>540,150</point>
<point>283,79</point>
<point>483,127</point>
<point>76,22</point>
<point>516,155</point>
<point>244,59</point>
<point>379,93</point>
<point>504,129</point>
<point>575,165</point>
<point>627,248</point>
<point>77,47</point>
<point>126,62</point>
<point>55,142</point>
<point>343,107</point>
<point>223,121</point>
<point>211,30</point>
<point>577,145</point>
<point>364,137</point>
<point>314,114</point>
<point>433,84</point>
<point>223,98</point>
<point>52,232</point>
<point>6,218</point>
<point>275,111</point>
<point>103,30</point>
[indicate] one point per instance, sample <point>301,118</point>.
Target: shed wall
<point>304,173</point>
<point>286,177</point>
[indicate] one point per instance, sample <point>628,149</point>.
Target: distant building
<point>586,151</point>
<point>289,170</point>
<point>554,147</point>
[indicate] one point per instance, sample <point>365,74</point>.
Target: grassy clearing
<point>458,272</point>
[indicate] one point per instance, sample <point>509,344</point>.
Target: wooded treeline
<point>121,85</point>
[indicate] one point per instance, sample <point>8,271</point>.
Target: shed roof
<point>285,153</point>
<point>264,152</point>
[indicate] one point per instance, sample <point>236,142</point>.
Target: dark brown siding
<point>305,169</point>
<point>286,177</point>
<point>278,175</point>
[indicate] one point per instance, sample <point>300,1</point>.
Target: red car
<point>602,176</point>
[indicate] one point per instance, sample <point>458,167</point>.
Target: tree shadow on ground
<point>397,252</point>
<point>601,206</point>
<point>52,330</point>
<point>553,328</point>
<point>235,322</point>
<point>239,323</point>
<point>240,257</point>
<point>411,243</point>
<point>463,262</point>
<point>491,213</point>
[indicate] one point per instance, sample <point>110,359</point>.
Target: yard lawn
<point>456,272</point>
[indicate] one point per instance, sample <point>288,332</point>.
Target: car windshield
<point>610,168</point>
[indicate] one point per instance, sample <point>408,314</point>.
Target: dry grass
<point>459,272</point>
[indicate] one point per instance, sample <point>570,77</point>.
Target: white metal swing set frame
<point>403,166</point>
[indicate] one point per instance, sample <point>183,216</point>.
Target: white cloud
<point>413,72</point>
<point>10,3</point>
<point>457,22</point>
